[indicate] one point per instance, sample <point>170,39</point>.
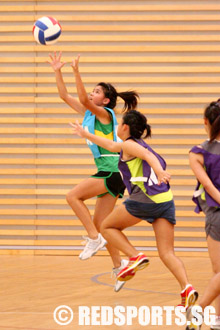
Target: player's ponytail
<point>215,128</point>
<point>212,113</point>
<point>137,123</point>
<point>148,131</point>
<point>130,98</point>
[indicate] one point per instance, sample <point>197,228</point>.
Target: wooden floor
<point>33,286</point>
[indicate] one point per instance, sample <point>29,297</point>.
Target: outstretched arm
<point>129,147</point>
<point>197,165</point>
<point>133,149</point>
<point>99,111</point>
<point>110,145</point>
<point>67,98</point>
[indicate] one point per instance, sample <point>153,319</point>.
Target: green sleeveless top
<point>108,163</point>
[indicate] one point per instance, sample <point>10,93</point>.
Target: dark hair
<point>129,97</point>
<point>137,123</point>
<point>212,113</point>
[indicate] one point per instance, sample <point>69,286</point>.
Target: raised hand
<point>56,61</point>
<point>75,63</point>
<point>77,129</point>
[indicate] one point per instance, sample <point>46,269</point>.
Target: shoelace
<point>130,262</point>
<point>85,239</point>
<point>89,242</point>
<point>115,271</point>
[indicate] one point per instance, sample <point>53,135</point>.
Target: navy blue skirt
<point>151,211</point>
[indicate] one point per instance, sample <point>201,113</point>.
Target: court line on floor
<point>96,280</point>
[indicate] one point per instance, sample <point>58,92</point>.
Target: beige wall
<point>167,50</point>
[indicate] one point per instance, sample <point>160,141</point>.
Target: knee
<point>162,256</point>
<point>217,279</point>
<point>216,268</point>
<point>165,255</point>
<point>70,197</point>
<point>103,228</point>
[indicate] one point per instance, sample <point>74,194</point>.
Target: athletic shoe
<point>216,326</point>
<point>115,271</point>
<point>188,296</point>
<point>135,264</point>
<point>92,246</point>
<point>190,317</point>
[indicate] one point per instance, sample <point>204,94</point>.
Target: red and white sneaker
<point>136,263</point>
<point>188,296</point>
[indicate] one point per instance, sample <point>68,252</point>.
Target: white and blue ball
<point>46,30</point>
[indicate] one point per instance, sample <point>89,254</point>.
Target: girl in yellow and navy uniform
<point>147,200</point>
<point>150,199</point>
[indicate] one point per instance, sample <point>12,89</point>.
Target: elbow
<point>63,96</point>
<point>84,101</point>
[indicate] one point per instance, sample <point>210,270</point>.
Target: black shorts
<point>113,183</point>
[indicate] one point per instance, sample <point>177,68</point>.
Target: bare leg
<point>112,227</point>
<point>104,206</point>
<point>214,253</point>
<point>164,232</point>
<point>86,189</point>
<point>211,292</point>
<point>120,219</point>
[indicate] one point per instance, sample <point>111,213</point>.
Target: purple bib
<point>151,185</point>
<point>212,167</point>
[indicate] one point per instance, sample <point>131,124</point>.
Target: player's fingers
<point>59,56</point>
<point>51,56</point>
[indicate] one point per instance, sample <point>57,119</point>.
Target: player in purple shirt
<point>205,163</point>
<point>150,199</point>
